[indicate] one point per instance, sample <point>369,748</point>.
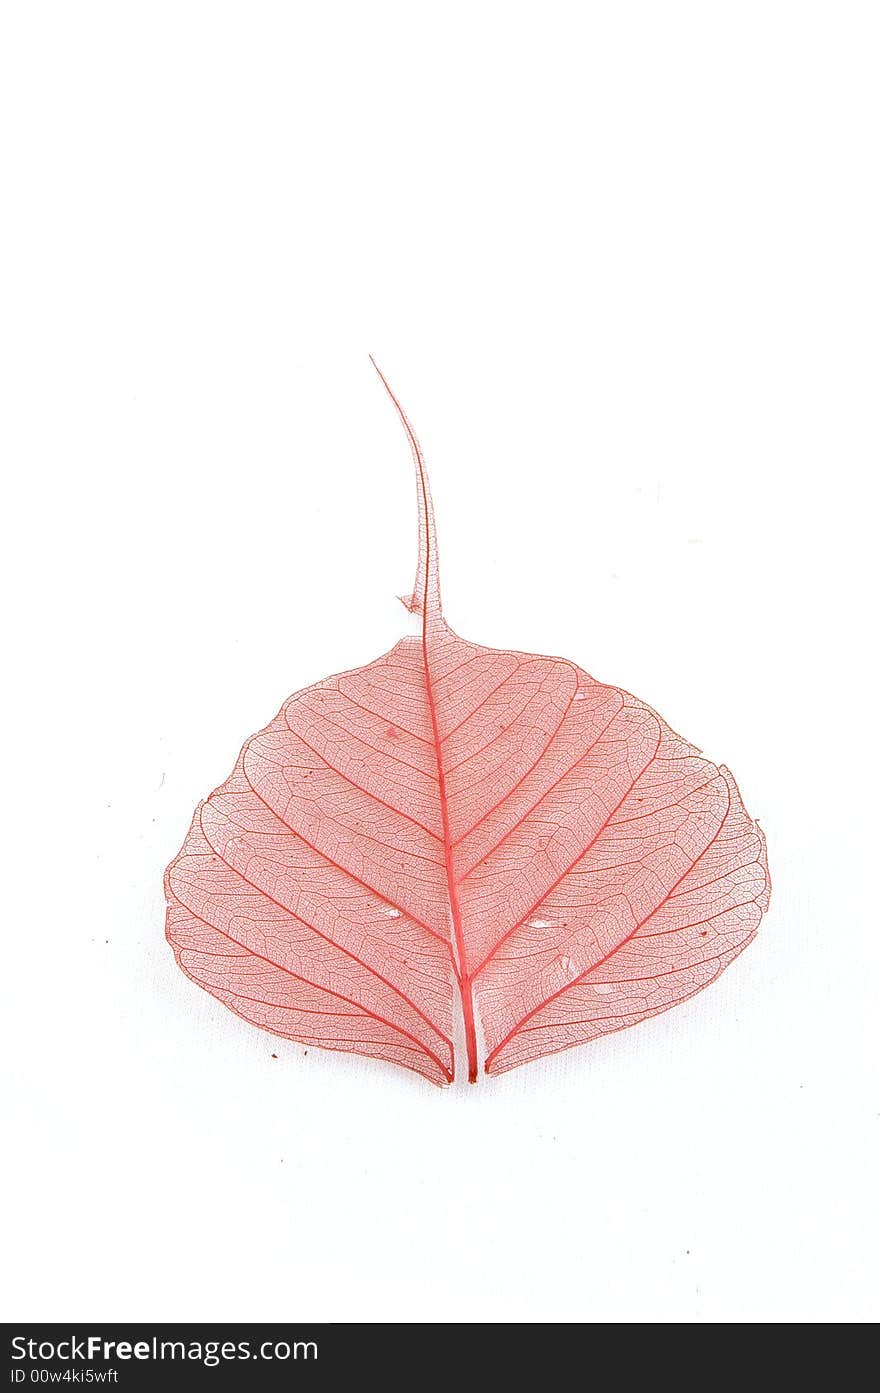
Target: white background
<point>620,262</point>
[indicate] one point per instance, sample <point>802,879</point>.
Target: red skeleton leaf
<point>455,833</point>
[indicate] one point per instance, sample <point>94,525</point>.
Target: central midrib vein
<point>464,979</point>
<point>431,606</point>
